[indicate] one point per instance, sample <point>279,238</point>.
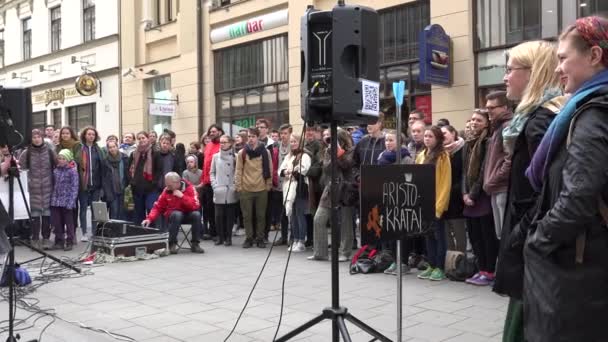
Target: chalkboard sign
<point>397,201</point>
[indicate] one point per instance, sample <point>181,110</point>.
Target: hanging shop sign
<point>434,54</point>
<point>253,25</point>
<point>162,109</point>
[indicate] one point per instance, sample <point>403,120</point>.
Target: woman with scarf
<point>532,82</point>
<point>295,190</point>
<point>454,221</point>
<point>39,159</point>
<point>477,207</point>
<point>145,171</point>
<point>115,180</point>
<point>436,245</point>
<point>565,253</point>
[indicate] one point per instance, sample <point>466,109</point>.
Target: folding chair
<point>186,238</point>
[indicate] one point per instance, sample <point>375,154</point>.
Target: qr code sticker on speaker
<point>371,97</point>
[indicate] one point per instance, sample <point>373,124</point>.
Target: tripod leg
<point>343,330</point>
<point>301,328</point>
<point>367,328</point>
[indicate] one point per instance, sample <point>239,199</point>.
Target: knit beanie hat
<point>67,154</point>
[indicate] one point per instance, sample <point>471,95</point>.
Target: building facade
<point>46,44</point>
<point>160,75</point>
<point>236,61</point>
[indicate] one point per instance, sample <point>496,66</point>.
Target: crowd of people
<point>523,185</point>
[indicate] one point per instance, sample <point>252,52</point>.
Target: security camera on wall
<point>147,24</point>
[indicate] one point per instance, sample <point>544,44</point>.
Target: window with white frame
<point>55,28</point>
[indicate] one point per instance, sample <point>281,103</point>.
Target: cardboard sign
<point>397,201</point>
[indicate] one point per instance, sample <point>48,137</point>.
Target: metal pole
<point>335,238</point>
<point>399,280</point>
<point>11,254</point>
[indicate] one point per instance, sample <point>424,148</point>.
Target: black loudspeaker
<point>355,58</point>
<point>16,104</point>
<point>340,69</point>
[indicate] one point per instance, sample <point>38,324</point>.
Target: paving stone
<point>159,320</point>
<point>188,329</point>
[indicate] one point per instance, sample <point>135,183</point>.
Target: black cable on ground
<point>268,256</point>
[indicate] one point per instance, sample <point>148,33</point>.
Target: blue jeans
<point>85,200</point>
<point>177,218</point>
<point>298,219</point>
<point>436,245</point>
<point>117,208</point>
<point>143,204</point>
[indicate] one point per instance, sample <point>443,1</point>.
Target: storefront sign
<point>57,95</point>
<point>397,201</point>
<point>434,54</point>
<point>161,109</point>
<point>253,25</point>
<point>244,122</point>
<point>424,104</point>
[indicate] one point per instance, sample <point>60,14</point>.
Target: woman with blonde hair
<point>531,80</point>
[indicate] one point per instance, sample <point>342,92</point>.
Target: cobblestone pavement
<point>189,297</point>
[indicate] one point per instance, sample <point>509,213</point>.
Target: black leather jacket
<point>565,300</point>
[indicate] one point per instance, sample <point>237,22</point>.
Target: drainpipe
<point>119,70</point>
<point>199,64</point>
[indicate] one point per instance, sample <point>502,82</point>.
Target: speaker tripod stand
<point>13,174</point>
<point>336,313</point>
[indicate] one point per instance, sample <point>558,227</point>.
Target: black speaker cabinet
<point>17,102</point>
<point>339,58</point>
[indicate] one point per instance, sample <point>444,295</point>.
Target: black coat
<point>138,183</point>
<point>109,193</point>
<point>456,204</point>
<point>520,203</point>
<point>564,300</point>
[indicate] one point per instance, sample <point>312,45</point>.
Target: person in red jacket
<point>214,133</point>
<point>179,204</point>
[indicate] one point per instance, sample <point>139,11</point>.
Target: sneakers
<point>261,244</point>
<point>196,248</point>
<point>342,258</point>
<point>47,244</point>
<point>218,242</point>
<point>206,237</point>
<point>426,274</point>
<point>84,238</point>
<point>68,247</point>
<point>247,244</point>
<point>173,248</point>
<point>474,277</point>
<point>392,269</point>
<point>228,243</point>
<point>235,229</point>
<point>318,258</point>
<point>484,279</point>
<point>299,248</point>
<point>437,275</point>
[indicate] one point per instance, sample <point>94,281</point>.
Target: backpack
<point>362,261</point>
<point>461,266</point>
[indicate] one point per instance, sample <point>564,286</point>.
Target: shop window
<point>81,116</point>
<point>160,93</point>
<point>39,120</point>
<point>56,116</point>
<point>591,7</point>
<point>491,67</point>
<point>252,83</point>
